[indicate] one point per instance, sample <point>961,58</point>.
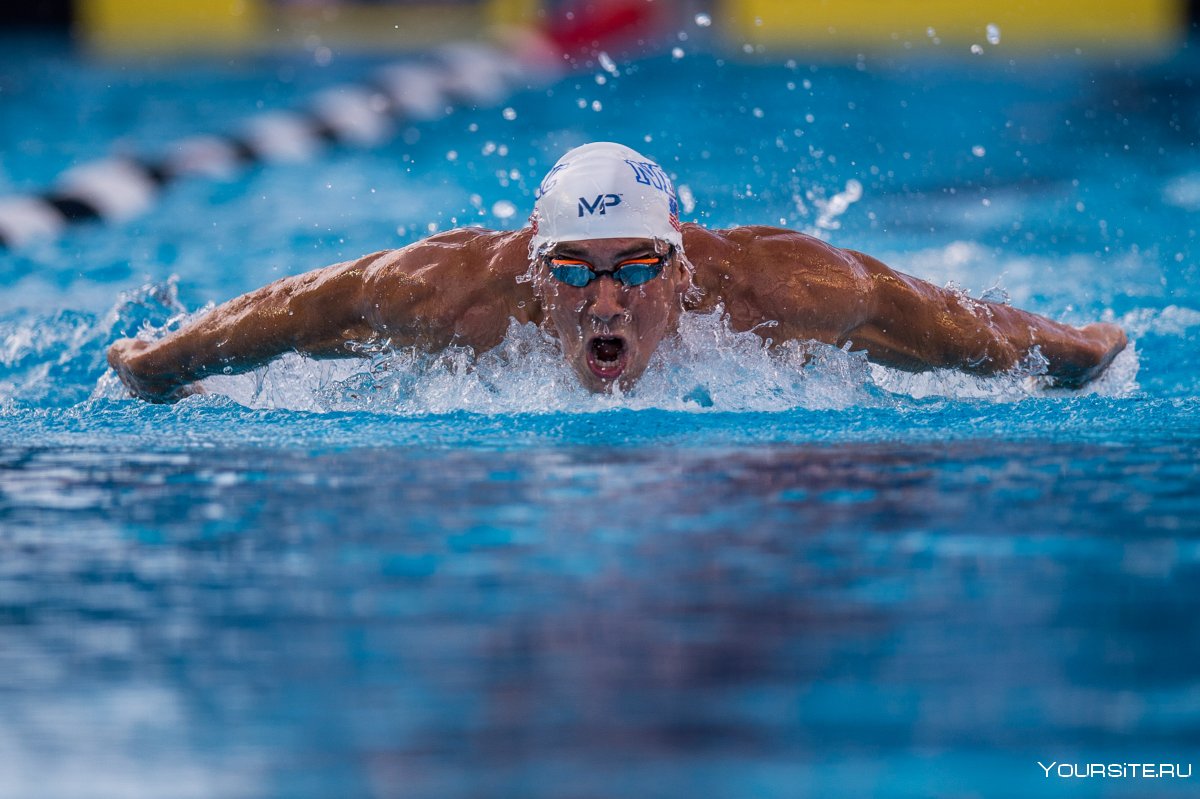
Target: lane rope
<point>119,188</point>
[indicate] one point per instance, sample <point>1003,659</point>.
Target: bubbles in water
<point>978,151</point>
<point>703,20</point>
<point>509,113</point>
<point>676,53</point>
<point>976,49</point>
<point>503,209</point>
<point>993,34</point>
<point>608,64</point>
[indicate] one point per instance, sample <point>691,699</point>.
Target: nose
<point>609,299</point>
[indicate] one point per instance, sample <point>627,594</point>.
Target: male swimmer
<point>610,269</point>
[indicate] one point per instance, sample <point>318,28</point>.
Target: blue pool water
<point>449,576</point>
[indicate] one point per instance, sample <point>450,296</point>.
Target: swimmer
<point>606,267</point>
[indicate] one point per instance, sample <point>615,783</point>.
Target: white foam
<point>707,367</point>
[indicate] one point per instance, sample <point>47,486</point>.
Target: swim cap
<point>605,191</point>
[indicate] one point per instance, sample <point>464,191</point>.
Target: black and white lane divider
<point>119,188</point>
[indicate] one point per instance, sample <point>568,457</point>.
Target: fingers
<point>123,358</point>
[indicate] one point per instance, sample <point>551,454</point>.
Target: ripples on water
<point>433,576</point>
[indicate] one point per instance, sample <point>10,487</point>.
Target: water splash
<point>59,360</point>
<point>55,359</point>
<point>706,367</point>
<point>830,209</point>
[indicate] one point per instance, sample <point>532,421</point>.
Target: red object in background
<point>585,27</point>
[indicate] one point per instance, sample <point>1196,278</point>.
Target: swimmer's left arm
<point>911,324</point>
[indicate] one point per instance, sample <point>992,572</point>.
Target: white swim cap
<point>605,191</point>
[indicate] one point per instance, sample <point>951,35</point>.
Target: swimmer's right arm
<point>315,313</point>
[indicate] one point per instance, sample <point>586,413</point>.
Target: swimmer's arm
<point>915,325</point>
<point>314,313</point>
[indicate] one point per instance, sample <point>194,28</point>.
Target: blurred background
<point>849,25</point>
<point>434,577</point>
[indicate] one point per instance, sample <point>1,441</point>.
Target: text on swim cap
<point>599,205</point>
<point>651,174</point>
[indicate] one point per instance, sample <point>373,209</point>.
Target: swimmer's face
<point>609,330</point>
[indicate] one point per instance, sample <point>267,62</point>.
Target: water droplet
<point>993,33</point>
<point>703,20</point>
<point>509,113</point>
<point>503,209</point>
<point>596,105</point>
<point>976,49</point>
<point>676,53</point>
<point>607,62</point>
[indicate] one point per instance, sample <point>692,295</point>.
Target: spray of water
<point>705,367</point>
<point>59,360</point>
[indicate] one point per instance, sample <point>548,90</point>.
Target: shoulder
<point>459,285</point>
<point>764,241</point>
<point>762,261</point>
<point>808,287</point>
<point>472,250</point>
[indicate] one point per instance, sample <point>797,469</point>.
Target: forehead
<point>600,249</point>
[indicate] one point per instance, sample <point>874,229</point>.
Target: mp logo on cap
<point>599,205</point>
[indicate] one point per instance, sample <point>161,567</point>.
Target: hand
<point>129,358</point>
<point>1104,342</point>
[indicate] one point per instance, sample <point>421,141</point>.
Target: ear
<point>683,275</point>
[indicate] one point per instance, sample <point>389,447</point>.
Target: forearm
<point>314,313</point>
<point>915,325</point>
<point>1073,355</point>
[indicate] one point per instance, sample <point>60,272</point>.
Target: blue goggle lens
<point>579,275</point>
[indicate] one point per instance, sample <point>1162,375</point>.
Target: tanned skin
<point>462,288</point>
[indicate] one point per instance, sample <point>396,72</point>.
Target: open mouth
<point>606,356</point>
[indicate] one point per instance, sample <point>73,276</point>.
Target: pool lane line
<point>119,188</point>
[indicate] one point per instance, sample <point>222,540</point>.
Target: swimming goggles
<point>633,272</point>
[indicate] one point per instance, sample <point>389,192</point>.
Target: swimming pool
<point>430,576</point>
